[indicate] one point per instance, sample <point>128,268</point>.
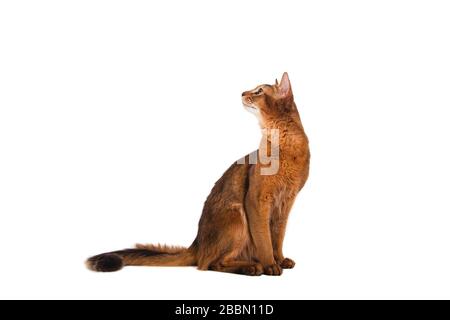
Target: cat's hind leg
<point>236,258</point>
<point>224,251</point>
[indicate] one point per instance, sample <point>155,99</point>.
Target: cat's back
<point>232,186</point>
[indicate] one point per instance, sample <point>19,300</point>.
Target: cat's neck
<point>286,131</point>
<point>290,124</point>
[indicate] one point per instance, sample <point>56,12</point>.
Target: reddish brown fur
<point>244,218</point>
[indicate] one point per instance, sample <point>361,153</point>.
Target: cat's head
<point>270,101</point>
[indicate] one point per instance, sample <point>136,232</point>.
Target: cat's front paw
<point>273,270</point>
<point>253,270</point>
<point>287,263</point>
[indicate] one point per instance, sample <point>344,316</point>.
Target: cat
<point>244,218</point>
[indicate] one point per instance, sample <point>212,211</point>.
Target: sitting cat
<point>243,223</point>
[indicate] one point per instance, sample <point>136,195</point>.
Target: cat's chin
<point>252,110</point>
<point>256,113</point>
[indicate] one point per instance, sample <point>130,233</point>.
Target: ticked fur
<point>244,218</point>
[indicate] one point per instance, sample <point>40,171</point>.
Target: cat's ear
<point>276,82</point>
<point>285,86</point>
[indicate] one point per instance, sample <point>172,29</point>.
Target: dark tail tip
<point>107,262</point>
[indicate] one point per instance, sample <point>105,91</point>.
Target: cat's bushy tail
<point>143,255</point>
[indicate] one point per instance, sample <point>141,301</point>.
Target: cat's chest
<point>294,163</point>
<point>292,175</point>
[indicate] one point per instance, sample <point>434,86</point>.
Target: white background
<point>117,117</point>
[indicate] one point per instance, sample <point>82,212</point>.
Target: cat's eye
<point>259,91</point>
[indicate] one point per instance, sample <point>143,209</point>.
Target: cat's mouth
<point>247,102</point>
<point>249,106</point>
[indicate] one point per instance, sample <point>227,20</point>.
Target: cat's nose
<point>243,93</point>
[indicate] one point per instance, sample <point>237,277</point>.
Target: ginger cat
<point>244,218</point>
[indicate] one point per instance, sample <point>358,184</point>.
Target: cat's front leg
<point>278,225</point>
<point>258,213</point>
